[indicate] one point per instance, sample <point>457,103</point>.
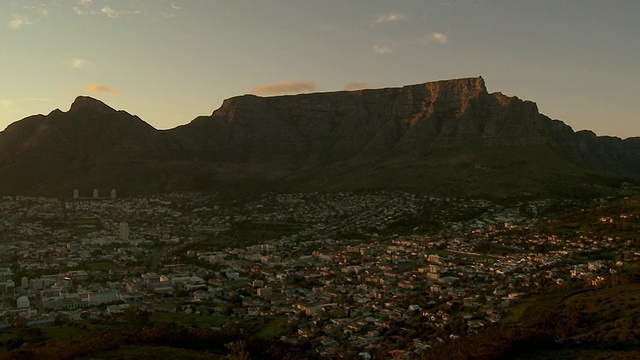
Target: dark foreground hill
<point>447,137</point>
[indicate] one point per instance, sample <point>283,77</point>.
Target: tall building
<point>95,193</point>
<point>76,194</point>
<point>113,193</point>
<point>124,231</point>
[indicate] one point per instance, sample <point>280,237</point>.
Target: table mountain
<point>447,137</point>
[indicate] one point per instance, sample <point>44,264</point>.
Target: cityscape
<point>207,180</point>
<point>349,274</point>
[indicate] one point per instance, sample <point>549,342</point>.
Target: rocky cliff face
<point>328,127</point>
<point>445,136</point>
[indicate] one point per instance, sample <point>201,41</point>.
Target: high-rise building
<point>95,193</point>
<point>113,193</point>
<point>76,194</point>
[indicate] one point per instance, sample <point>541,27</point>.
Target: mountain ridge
<point>449,136</point>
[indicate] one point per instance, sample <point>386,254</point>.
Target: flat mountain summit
<point>449,137</point>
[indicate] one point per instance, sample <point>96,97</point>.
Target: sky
<point>169,61</point>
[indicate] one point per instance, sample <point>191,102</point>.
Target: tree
<point>237,349</point>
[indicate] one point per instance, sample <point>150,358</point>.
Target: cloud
<point>284,87</point>
<point>83,8</point>
<point>78,63</point>
<point>17,22</point>
<point>175,7</point>
<point>390,17</point>
<point>82,12</point>
<point>110,12</point>
<point>128,10</point>
<point>357,86</point>
<point>381,49</point>
<point>440,38</point>
<point>95,89</point>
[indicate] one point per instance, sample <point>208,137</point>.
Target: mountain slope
<point>447,137</point>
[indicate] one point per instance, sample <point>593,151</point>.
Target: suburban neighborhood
<point>345,272</point>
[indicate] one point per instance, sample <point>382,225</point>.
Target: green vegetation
<point>79,226</point>
<point>618,217</point>
<point>244,234</point>
<point>156,352</point>
<point>130,340</point>
<point>261,232</point>
<point>272,327</point>
<point>100,265</point>
<point>188,320</point>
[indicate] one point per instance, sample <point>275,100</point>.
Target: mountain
<point>447,137</point>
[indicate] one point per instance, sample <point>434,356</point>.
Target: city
<point>347,273</point>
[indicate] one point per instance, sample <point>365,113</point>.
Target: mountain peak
<point>464,87</point>
<point>89,104</point>
<point>443,137</point>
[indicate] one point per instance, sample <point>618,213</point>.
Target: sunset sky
<point>168,61</point>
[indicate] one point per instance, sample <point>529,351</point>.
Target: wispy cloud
<point>284,87</point>
<point>439,38</point>
<point>171,11</point>
<point>84,8</point>
<point>390,17</point>
<point>357,86</point>
<point>110,12</point>
<point>381,49</point>
<point>96,89</point>
<point>82,11</point>
<point>78,63</point>
<point>123,9</point>
<point>18,21</point>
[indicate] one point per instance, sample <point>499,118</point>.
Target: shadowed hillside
<point>447,137</point>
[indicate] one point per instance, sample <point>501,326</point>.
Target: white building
<point>5,272</point>
<point>124,231</point>
<point>102,297</point>
<point>23,302</point>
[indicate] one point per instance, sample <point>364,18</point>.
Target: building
<point>124,231</point>
<point>5,272</point>
<point>23,302</point>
